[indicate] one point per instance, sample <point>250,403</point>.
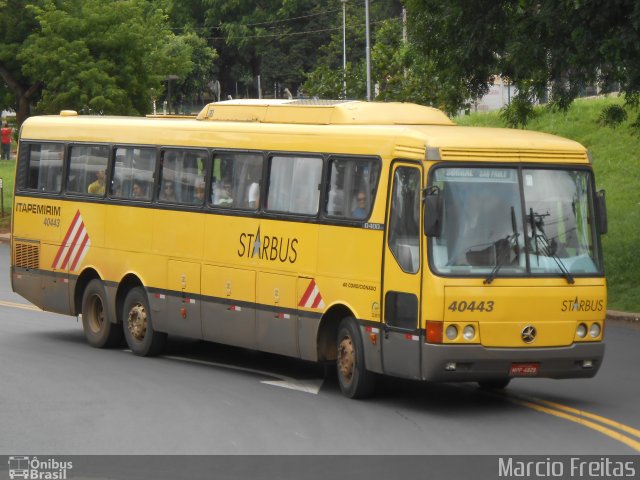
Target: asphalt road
<point>60,396</point>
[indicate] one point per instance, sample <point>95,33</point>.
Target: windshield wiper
<point>548,249</point>
<point>505,252</point>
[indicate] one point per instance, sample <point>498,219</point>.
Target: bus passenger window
<point>294,185</point>
<point>181,171</point>
<point>236,179</point>
<point>87,169</point>
<point>351,187</point>
<point>45,167</point>
<point>133,173</point>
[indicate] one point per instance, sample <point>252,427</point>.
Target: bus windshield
<point>513,222</point>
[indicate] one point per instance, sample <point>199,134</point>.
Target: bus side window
<point>45,167</point>
<point>236,180</point>
<point>351,187</point>
<point>294,184</point>
<point>182,177</point>
<point>87,169</point>
<point>133,173</point>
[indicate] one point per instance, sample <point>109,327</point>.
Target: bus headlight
<point>595,330</point>
<point>451,332</point>
<point>469,332</point>
<point>581,331</point>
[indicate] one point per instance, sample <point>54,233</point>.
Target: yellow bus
<point>380,237</point>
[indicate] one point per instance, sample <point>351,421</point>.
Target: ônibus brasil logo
<point>36,469</point>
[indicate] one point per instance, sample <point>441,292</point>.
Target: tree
<point>276,39</point>
<point>561,45</point>
<point>18,90</point>
<point>327,77</point>
<point>89,55</point>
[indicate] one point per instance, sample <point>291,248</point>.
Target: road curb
<point>5,237</point>
<point>629,317</point>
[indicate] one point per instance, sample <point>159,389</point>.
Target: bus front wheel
<point>354,379</point>
<point>99,331</point>
<point>142,339</point>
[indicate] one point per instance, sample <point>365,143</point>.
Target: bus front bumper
<point>466,363</point>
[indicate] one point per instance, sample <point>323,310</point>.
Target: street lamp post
<point>344,49</point>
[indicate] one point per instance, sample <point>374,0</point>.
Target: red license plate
<point>524,369</point>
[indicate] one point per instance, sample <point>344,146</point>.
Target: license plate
<point>524,369</point>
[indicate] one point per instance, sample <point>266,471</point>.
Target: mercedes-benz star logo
<point>529,334</point>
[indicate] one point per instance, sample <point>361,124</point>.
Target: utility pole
<point>344,49</point>
<point>366,13</point>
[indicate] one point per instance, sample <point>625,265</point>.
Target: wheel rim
<point>96,314</point>
<point>346,358</point>
<point>137,322</point>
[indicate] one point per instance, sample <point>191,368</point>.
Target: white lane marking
<point>311,386</point>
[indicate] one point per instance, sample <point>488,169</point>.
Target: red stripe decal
<point>66,237</point>
<point>73,244</point>
<point>80,251</point>
<point>307,293</point>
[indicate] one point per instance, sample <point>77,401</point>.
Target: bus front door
<point>401,273</point>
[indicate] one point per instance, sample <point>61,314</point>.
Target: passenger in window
<point>97,187</point>
<point>137,191</point>
<point>168,193</point>
<point>198,197</point>
<point>253,197</point>
<point>222,195</point>
<point>362,209</point>
<point>116,188</point>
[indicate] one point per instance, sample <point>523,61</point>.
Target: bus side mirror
<point>433,210</point>
<point>601,212</point>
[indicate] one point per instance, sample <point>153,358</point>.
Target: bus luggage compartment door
<point>276,314</point>
<point>228,315</point>
<point>183,302</point>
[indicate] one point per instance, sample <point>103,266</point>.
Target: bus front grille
<point>27,255</point>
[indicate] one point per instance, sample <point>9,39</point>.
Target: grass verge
<point>7,173</point>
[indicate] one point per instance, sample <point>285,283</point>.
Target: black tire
<point>137,324</point>
<point>99,331</point>
<point>495,384</point>
<point>354,379</point>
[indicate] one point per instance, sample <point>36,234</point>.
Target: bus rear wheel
<point>99,331</point>
<point>142,339</point>
<point>354,379</point>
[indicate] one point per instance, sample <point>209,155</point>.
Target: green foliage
<point>519,112</point>
<point>561,44</point>
<point>612,116</point>
<point>386,50</point>
<point>279,40</point>
<point>102,57</point>
<point>7,173</point>
<point>92,56</point>
<point>617,170</point>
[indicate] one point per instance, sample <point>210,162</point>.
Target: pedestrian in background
<point>6,141</point>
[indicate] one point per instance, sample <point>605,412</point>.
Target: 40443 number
<point>51,222</point>
<point>472,306</point>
